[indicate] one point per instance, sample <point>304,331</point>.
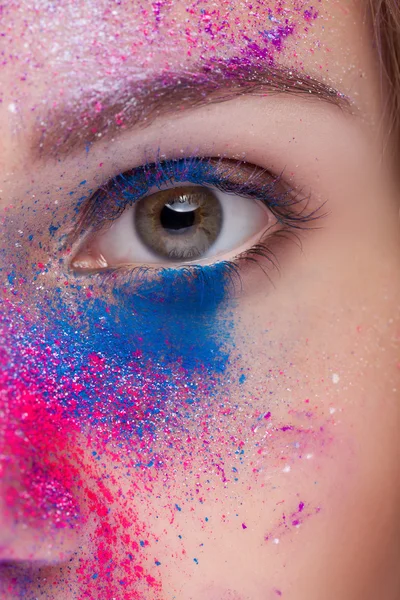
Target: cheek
<point>322,359</point>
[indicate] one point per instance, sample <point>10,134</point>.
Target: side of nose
<point>26,539</point>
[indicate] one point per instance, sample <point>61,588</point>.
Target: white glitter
<point>309,456</point>
<point>12,108</point>
<point>276,540</point>
<point>286,469</point>
<point>335,378</point>
<point>332,410</point>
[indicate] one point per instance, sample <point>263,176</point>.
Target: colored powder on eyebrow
<point>99,46</point>
<point>272,41</point>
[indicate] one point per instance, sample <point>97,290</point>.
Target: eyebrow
<point>98,116</point>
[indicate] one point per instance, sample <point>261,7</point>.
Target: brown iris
<point>180,223</point>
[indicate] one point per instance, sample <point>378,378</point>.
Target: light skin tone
<point>309,510</point>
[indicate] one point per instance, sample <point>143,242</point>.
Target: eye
<point>179,224</point>
<point>196,219</point>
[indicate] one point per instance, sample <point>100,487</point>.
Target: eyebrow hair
<point>99,115</point>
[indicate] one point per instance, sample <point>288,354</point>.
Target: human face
<point>198,388</point>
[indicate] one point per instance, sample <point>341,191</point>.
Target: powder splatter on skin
<point>112,372</point>
<point>104,45</point>
<point>131,381</point>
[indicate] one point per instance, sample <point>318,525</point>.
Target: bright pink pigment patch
<point>49,484</point>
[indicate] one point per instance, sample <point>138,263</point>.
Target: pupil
<point>172,219</point>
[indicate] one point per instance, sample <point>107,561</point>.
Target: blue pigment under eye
<point>178,318</point>
<point>123,362</point>
<point>184,290</point>
<point>142,337</point>
<point>131,362</point>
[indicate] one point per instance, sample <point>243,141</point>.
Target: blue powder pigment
<point>172,316</point>
<point>135,354</point>
<point>127,188</point>
<point>175,317</point>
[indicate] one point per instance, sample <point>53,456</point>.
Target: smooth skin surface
<point>314,511</point>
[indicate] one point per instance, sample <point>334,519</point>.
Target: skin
<point>317,342</point>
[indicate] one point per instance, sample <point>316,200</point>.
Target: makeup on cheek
<point>115,359</point>
<point>49,489</point>
<point>165,323</point>
<point>133,357</point>
<point>147,335</point>
<point>119,371</point>
<point>138,354</point>
<point>137,362</point>
<point>115,372</point>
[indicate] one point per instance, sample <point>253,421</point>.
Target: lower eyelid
<point>241,254</point>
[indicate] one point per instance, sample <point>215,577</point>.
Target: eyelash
<point>290,208</point>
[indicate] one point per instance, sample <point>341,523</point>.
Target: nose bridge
<point>7,530</point>
<point>19,542</point>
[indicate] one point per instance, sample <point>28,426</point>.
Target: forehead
<point>57,53</point>
<point>88,41</point>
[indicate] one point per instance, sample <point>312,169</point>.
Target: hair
<point>386,23</point>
